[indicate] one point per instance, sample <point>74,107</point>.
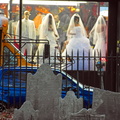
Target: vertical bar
<point>49,54</point>
<point>61,60</point>
<point>112,43</point>
<point>1,46</point>
<point>14,102</point>
<point>89,79</point>
<point>66,89</point>
<point>94,62</point>
<point>20,23</point>
<point>83,59</point>
<point>83,79</point>
<point>10,14</point>
<point>9,65</point>
<point>72,61</point>
<point>54,59</point>
<point>72,58</point>
<point>117,73</point>
<point>20,37</point>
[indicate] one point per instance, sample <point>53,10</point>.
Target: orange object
<point>38,20</point>
<point>29,8</point>
<point>4,25</point>
<point>15,8</point>
<point>42,9</point>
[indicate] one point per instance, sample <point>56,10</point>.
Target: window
<point>9,58</point>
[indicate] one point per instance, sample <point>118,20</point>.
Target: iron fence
<point>13,74</point>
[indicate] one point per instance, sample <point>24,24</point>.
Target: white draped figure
<point>98,34</point>
<point>48,32</point>
<point>28,32</point>
<point>78,45</point>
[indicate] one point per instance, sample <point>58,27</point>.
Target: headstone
<point>85,114</point>
<point>44,91</point>
<point>69,104</point>
<point>106,102</point>
<point>26,112</point>
<point>44,95</point>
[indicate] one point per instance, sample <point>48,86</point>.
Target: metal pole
<point>10,10</point>
<point>102,83</point>
<point>20,23</point>
<point>10,17</point>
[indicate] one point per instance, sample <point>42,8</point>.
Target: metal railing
<point>14,78</point>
